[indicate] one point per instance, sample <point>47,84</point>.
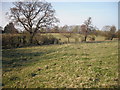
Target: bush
<point>109,37</point>
<point>45,40</point>
<point>13,40</point>
<point>92,38</point>
<point>20,40</point>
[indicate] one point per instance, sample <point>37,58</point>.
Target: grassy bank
<point>58,66</point>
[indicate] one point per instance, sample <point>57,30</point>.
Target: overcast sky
<point>74,13</point>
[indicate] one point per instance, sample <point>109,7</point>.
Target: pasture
<point>81,65</point>
<point>59,45</point>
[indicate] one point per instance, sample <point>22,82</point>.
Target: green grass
<point>83,65</point>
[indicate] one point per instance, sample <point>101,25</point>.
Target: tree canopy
<point>33,15</point>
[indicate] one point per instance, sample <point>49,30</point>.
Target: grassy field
<point>83,65</point>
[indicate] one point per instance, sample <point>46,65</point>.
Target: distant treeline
<point>39,18</point>
<point>12,38</point>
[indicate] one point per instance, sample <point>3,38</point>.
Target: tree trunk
<point>85,38</point>
<point>31,38</point>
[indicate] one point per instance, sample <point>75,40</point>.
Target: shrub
<point>10,40</point>
<point>109,36</point>
<point>20,40</point>
<point>92,38</point>
<point>45,40</point>
<point>14,40</point>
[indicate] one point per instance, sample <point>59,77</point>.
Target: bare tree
<point>66,32</point>
<point>106,28</point>
<point>67,35</point>
<point>109,31</point>
<point>86,28</point>
<point>112,32</point>
<point>113,29</point>
<point>55,29</point>
<point>76,29</point>
<point>33,15</point>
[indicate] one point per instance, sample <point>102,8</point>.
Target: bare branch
<point>33,15</point>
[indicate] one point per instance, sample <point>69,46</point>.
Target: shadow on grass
<point>15,58</point>
<point>106,41</point>
<point>99,41</point>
